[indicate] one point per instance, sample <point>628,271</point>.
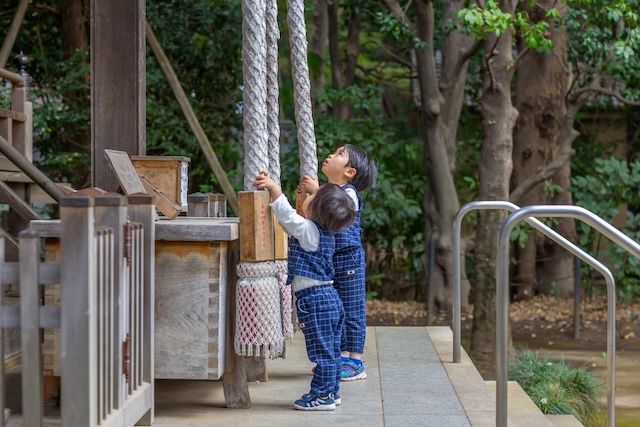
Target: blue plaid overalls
<point>319,311</point>
<point>349,265</point>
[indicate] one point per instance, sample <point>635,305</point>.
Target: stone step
<point>521,410</point>
<point>564,421</point>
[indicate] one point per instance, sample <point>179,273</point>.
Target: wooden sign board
<point>281,240</point>
<point>125,172</point>
<point>256,226</point>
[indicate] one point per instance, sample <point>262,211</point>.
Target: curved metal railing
<point>502,295</point>
<point>457,269</point>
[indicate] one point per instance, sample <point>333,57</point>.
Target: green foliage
<point>613,183</point>
<point>392,218</point>
<point>604,44</point>
<point>557,388</point>
<point>203,41</point>
<point>490,19</point>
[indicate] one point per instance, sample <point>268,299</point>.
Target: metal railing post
<point>502,297</point>
<point>457,225</point>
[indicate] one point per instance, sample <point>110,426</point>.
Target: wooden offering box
<point>169,173</point>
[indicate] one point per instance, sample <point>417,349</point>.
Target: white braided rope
<point>258,314</point>
<point>273,106</point>
<point>302,88</point>
<point>254,95</point>
<point>256,269</point>
<point>285,292</point>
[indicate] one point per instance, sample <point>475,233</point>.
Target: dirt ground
<point>542,322</point>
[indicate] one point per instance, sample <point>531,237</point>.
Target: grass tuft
<point>558,388</point>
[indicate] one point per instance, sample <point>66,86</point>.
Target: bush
<point>557,388</point>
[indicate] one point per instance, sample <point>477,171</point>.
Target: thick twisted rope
<point>254,95</point>
<point>273,106</point>
<point>302,88</point>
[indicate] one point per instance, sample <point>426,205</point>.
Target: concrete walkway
<point>406,385</point>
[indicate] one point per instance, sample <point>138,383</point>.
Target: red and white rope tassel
<point>258,311</point>
<point>285,292</point>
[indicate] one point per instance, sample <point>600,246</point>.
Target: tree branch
<point>462,59</point>
<point>607,92</point>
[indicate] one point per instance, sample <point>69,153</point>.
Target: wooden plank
<point>13,115</point>
<point>182,308</point>
<point>180,229</point>
<point>163,203</point>
<point>256,226</point>
<point>8,196</point>
<point>125,172</point>
<point>281,240</point>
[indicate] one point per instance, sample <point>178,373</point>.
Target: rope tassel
<point>259,331</point>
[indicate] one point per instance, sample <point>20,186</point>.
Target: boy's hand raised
<point>263,182</point>
<point>308,184</point>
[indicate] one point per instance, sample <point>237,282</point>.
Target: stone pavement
<point>406,385</point>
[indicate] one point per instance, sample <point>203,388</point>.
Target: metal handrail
<point>502,295</point>
<point>457,225</point>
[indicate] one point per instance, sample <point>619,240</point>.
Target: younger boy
<point>352,169</point>
<point>319,309</point>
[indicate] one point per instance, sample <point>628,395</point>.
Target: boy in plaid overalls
<point>351,168</point>
<point>319,309</point>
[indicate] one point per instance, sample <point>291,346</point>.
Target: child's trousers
<point>321,318</point>
<point>349,265</point>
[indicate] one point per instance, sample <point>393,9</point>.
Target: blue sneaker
<point>311,402</point>
<point>352,371</point>
<point>336,398</point>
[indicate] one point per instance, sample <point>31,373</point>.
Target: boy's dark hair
<point>332,208</point>
<point>366,167</point>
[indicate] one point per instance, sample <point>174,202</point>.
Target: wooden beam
<point>118,84</point>
<point>190,115</point>
<point>30,170</point>
<point>16,203</point>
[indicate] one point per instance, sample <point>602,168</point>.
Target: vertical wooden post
<point>22,139</point>
<point>111,211</point>
<point>30,328</point>
<point>118,84</point>
<point>234,380</point>
<point>142,210</point>
<point>2,399</point>
<point>256,226</point>
<point>78,306</point>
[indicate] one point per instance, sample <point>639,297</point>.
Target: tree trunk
<point>318,42</point>
<point>540,88</point>
<point>498,120</point>
<point>343,71</point>
<point>74,26</point>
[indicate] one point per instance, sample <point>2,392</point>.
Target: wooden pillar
<point>118,84</point>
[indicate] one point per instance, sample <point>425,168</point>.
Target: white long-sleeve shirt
<point>296,225</point>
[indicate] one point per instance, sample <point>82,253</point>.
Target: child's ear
<point>350,173</point>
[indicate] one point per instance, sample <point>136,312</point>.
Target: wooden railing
<point>105,316</point>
